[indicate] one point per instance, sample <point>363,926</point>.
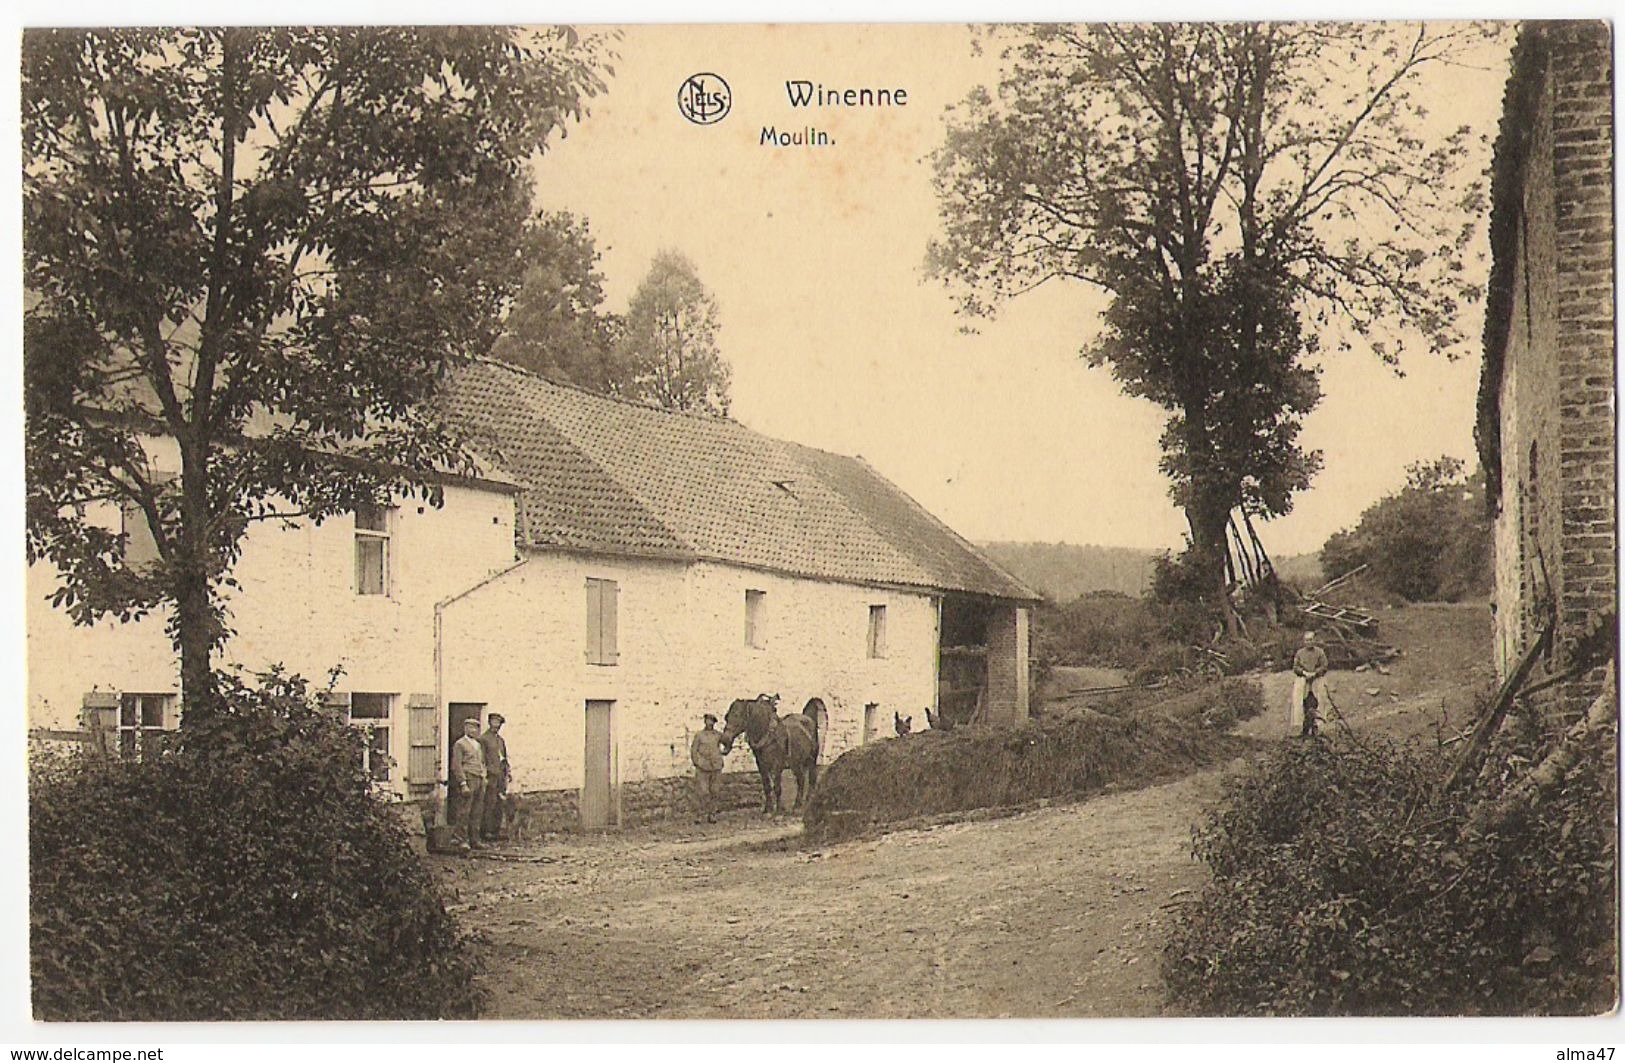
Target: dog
<point>516,818</point>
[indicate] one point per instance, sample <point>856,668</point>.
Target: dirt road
<point>1056,912</point>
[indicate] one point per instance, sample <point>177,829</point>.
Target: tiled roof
<point>612,476</point>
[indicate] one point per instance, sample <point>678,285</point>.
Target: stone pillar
<point>1008,674</point>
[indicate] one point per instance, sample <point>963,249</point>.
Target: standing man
<point>495,749</point>
<point>468,782</point>
<point>1309,665</point>
<point>706,753</point>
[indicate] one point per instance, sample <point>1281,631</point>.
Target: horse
<point>792,742</point>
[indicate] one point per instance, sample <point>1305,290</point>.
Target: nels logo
<point>704,99</point>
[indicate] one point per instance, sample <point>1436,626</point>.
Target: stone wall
<point>648,801</point>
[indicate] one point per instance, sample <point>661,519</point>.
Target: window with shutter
<point>877,631</point>
<point>98,716</point>
<point>423,737</point>
<point>603,621</point>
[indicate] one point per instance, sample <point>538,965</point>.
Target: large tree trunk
<point>197,621</point>
<point>1208,527</point>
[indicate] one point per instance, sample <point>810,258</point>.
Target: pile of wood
<point>1348,634</point>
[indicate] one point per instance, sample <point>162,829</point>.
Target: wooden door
<point>456,713</point>
<point>599,809</point>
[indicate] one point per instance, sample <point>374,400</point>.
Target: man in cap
<point>1309,665</point>
<point>706,753</point>
<point>495,749</point>
<point>467,772</point>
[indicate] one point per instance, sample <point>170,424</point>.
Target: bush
<point>249,872</point>
<point>1182,597</point>
<point>1102,628</point>
<point>1346,882</point>
<point>1429,541</point>
<point>1229,701</point>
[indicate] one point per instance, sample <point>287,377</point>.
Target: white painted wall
<point>518,642</point>
<point>296,606</point>
<point>519,645</point>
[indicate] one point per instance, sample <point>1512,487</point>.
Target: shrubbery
<point>1102,628</point>
<point>1429,541</point>
<point>1346,881</point>
<point>1230,701</point>
<point>249,872</point>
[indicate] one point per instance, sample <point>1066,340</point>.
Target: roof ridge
<point>637,404</point>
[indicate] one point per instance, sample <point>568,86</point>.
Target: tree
<point>1236,191</point>
<point>670,339</point>
<point>557,327</point>
<point>1429,541</point>
<point>268,246</point>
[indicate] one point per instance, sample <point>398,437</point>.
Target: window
<point>601,621</point>
<point>372,550</point>
<point>142,720</point>
<point>756,618</point>
<point>877,631</point>
<point>140,547</point>
<point>371,713</point>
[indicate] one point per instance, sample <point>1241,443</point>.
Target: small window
<point>372,550</point>
<point>140,546</point>
<point>142,720</point>
<point>756,618</point>
<point>372,714</point>
<point>602,621</point>
<point>877,631</point>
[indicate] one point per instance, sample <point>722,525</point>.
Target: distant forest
<point>1063,572</point>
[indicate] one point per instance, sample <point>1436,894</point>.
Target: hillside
<point>1063,571</point>
<point>1302,569</point>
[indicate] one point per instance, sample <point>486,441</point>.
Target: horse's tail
<point>818,716</point>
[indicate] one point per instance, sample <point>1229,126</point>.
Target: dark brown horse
<point>792,742</point>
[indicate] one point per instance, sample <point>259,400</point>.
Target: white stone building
<point>629,570</point>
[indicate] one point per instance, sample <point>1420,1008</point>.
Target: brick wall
<point>1009,676</point>
<point>1555,535</point>
<point>1582,119</point>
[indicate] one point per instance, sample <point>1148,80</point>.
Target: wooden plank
<point>1472,754</point>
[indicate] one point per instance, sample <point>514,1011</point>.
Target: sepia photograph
<point>1059,521</point>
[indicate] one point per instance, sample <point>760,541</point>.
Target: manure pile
<point>939,772</point>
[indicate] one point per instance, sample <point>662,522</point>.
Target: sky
<point>838,340</point>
